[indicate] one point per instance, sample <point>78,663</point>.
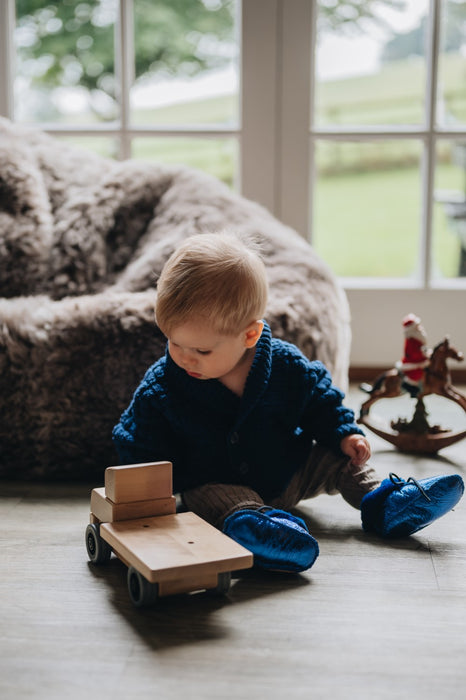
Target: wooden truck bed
<point>179,552</point>
<point>166,552</point>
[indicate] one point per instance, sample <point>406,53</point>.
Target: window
<point>142,79</point>
<point>389,118</point>
<point>389,169</point>
<point>345,118</point>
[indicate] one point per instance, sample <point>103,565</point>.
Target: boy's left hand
<point>357,447</point>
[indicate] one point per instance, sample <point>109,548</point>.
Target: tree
<point>71,42</point>
<point>413,43</point>
<point>349,15</point>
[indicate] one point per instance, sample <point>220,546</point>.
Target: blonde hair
<point>214,277</point>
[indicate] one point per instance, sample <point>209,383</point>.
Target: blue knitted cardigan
<point>212,435</point>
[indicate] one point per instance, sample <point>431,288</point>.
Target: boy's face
<point>205,354</point>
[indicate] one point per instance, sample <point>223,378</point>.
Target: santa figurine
<point>416,353</point>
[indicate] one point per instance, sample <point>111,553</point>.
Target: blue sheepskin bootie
<point>398,508</point>
<point>278,540</point>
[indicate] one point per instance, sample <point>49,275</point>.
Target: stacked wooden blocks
<point>135,491</point>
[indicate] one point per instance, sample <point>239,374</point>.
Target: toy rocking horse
<point>420,373</point>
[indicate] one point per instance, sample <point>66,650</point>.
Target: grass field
<point>394,95</point>
<point>368,224</point>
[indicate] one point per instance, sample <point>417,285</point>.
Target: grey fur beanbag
<point>82,242</point>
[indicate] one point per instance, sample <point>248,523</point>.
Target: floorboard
<point>372,619</point>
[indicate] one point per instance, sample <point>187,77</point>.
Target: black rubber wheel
<point>142,592</point>
<point>98,551</point>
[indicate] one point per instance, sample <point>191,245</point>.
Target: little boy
<point>250,424</point>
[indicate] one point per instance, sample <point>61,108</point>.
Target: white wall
<point>376,322</point>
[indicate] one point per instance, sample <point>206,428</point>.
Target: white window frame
<point>285,182</point>
<point>6,58</point>
<point>277,138</point>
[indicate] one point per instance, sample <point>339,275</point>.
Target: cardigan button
<point>234,438</point>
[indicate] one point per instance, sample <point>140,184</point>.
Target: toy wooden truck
<point>166,552</point>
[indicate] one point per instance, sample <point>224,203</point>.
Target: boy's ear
<point>253,333</point>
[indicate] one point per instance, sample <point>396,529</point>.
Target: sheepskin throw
<point>82,242</point>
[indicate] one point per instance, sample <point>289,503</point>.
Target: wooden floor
<point>372,619</point>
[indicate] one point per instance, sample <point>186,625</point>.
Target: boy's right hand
<point>357,448</point>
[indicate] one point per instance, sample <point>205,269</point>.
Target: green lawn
<point>216,156</point>
<point>215,110</point>
<point>395,95</point>
<point>367,224</point>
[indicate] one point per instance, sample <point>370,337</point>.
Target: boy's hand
<point>357,447</point>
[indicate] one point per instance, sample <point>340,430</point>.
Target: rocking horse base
<point>411,441</point>
<point>417,435</point>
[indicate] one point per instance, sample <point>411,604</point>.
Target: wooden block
<point>175,547</point>
<point>107,512</point>
<point>139,482</point>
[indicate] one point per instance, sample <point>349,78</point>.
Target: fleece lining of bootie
<point>278,540</point>
<point>398,508</point>
<point>372,506</point>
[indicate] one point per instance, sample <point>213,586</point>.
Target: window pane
<point>64,61</point>
<point>367,207</point>
<point>452,65</point>
<point>186,62</point>
<point>449,243</point>
<point>219,157</point>
<point>101,145</point>
<point>370,63</point>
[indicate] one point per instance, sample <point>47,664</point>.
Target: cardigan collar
<point>214,393</point>
<point>259,374</point>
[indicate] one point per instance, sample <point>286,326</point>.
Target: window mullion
<point>7,25</point>
<point>259,121</point>
<point>433,47</point>
<point>312,135</point>
<point>124,68</point>
<point>294,113</point>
